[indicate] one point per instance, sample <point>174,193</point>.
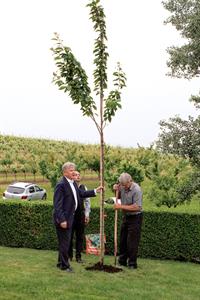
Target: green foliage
<point>181,137</point>
<point>100,73</point>
<point>164,235</point>
<point>170,236</point>
<point>33,222</point>
<point>51,171</point>
<point>113,101</point>
<point>185,16</point>
<point>71,77</point>
<point>172,184</point>
<point>147,164</point>
<point>112,175</point>
<point>196,100</point>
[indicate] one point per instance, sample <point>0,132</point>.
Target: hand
<point>117,206</point>
<point>99,188</point>
<point>63,225</point>
<point>87,220</point>
<point>116,187</point>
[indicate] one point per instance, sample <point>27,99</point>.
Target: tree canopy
<point>182,137</point>
<point>184,60</point>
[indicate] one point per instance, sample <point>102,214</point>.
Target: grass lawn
<point>31,274</point>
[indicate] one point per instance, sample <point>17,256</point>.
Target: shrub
<point>164,235</point>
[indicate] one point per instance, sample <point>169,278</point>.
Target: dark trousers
<point>64,237</point>
<point>129,239</point>
<point>77,231</point>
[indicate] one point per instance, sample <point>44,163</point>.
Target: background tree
<point>182,137</point>
<point>172,182</point>
<point>71,78</point>
<point>185,16</point>
<point>184,61</point>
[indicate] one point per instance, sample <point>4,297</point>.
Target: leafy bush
<point>164,235</point>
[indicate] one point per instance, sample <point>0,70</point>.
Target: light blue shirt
<point>131,196</point>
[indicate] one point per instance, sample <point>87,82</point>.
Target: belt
<point>134,215</point>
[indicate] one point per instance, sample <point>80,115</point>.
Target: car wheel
<point>44,197</point>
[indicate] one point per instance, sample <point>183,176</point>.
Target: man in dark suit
<point>67,198</point>
<point>81,218</point>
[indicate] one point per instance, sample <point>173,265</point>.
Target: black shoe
<point>69,270</point>
<point>132,267</point>
<point>80,261</point>
<point>122,263</point>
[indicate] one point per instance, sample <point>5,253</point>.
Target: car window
<point>37,188</point>
<point>15,190</point>
<point>31,189</point>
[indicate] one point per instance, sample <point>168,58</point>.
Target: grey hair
<point>125,178</point>
<point>68,165</point>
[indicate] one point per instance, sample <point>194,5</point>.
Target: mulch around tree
<point>105,268</point>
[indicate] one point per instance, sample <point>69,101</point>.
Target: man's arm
<point>90,193</point>
<point>132,207</point>
<point>58,203</point>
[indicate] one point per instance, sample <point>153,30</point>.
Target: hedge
<point>165,235</point>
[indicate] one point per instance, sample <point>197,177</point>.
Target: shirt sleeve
<point>87,205</point>
<point>137,198</point>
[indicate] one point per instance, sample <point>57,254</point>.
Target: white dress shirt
<point>71,182</point>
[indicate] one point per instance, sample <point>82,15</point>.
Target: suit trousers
<point>129,239</point>
<point>77,231</point>
<point>64,237</point>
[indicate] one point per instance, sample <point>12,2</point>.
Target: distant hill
<point>20,154</point>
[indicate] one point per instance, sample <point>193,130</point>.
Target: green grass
<point>31,274</point>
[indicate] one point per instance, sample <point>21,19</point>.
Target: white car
<point>24,191</point>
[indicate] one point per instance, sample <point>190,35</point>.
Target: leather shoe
<point>69,270</point>
<point>132,267</point>
<point>122,263</point>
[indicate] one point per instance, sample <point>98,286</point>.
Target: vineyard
<point>19,155</point>
<point>165,176</point>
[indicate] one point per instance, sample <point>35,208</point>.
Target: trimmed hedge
<point>165,235</point>
<point>27,224</point>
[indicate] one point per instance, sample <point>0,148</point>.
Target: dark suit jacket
<point>64,202</point>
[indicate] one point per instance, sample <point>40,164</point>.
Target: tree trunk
<point>102,246</point>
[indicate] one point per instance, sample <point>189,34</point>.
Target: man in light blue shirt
<point>130,194</point>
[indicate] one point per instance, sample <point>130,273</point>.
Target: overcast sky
<point>32,106</point>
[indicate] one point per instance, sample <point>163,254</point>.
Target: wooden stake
<point>115,230</point>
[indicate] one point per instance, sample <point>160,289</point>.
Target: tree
<point>172,182</point>
<point>185,16</point>
<point>181,137</point>
<point>51,171</point>
<point>184,61</point>
<point>71,78</point>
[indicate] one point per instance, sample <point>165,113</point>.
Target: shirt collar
<point>69,180</point>
<point>130,188</point>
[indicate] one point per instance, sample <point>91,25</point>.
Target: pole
<point>115,230</point>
